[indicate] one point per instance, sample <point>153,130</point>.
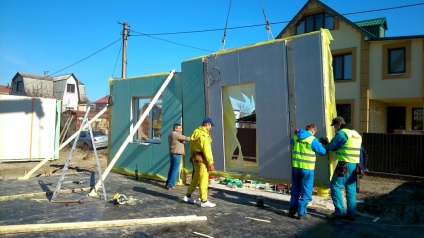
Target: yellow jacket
<point>201,141</point>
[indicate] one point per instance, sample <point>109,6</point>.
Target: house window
<point>345,111</point>
<point>315,22</point>
<point>344,64</point>
<point>342,67</point>
<point>19,86</point>
<point>151,128</point>
<point>70,88</point>
<point>417,118</point>
<point>396,61</point>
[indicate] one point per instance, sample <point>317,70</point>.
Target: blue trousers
<point>348,181</point>
<point>301,191</point>
<point>174,169</point>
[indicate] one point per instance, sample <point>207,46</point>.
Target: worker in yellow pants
<point>202,159</point>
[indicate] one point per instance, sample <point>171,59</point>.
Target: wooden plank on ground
<point>15,229</point>
<point>25,195</point>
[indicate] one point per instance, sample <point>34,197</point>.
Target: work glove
<point>323,141</point>
<point>211,167</point>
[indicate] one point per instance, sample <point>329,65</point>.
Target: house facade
<point>379,80</point>
<point>64,87</point>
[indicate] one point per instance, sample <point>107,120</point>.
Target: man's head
<point>337,122</point>
<point>208,123</point>
<point>312,128</point>
<point>177,127</point>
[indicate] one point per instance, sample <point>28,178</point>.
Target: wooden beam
<point>29,228</point>
<point>256,219</point>
<point>16,196</point>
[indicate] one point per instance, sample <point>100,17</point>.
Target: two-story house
<point>64,87</point>
<point>379,80</point>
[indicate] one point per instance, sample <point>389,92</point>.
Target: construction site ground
<point>387,207</point>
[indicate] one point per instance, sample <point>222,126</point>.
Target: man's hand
<point>211,167</point>
<point>296,131</point>
<point>323,141</point>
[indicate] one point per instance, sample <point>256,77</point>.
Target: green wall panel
<point>193,94</point>
<point>150,158</point>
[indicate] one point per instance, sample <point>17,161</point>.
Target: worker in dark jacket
<point>347,145</point>
<point>176,142</point>
<point>303,165</point>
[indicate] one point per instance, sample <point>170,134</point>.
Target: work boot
<point>348,218</point>
<point>333,216</point>
<point>188,199</point>
<point>207,204</point>
<point>304,217</point>
<point>292,211</point>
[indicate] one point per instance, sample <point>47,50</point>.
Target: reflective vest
<point>303,156</point>
<point>351,150</point>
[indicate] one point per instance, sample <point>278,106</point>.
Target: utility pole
<point>124,50</point>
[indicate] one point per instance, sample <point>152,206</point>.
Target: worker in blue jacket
<point>347,145</point>
<point>303,165</point>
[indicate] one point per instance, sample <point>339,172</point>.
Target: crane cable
<point>268,27</point>
<point>225,29</point>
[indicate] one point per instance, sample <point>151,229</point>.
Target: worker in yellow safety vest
<point>303,165</point>
<point>347,145</point>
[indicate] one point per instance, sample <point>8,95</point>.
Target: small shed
<point>29,128</point>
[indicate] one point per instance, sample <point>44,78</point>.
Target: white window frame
<point>153,136</point>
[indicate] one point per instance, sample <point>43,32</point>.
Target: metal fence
<point>394,154</point>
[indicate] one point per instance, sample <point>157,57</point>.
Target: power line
<point>76,62</point>
<point>268,27</point>
<point>225,29</point>
<point>142,34</point>
<point>152,35</point>
<point>273,23</point>
<point>384,9</point>
<point>88,56</point>
<point>116,62</point>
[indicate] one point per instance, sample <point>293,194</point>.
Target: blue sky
<point>50,35</point>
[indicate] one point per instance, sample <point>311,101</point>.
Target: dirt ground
<point>391,199</point>
<point>81,161</point>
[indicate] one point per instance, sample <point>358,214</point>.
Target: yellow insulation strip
<point>132,173</point>
<point>254,45</point>
<point>329,93</point>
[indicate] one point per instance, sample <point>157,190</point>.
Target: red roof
<point>5,89</point>
<point>92,114</point>
<point>103,99</point>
